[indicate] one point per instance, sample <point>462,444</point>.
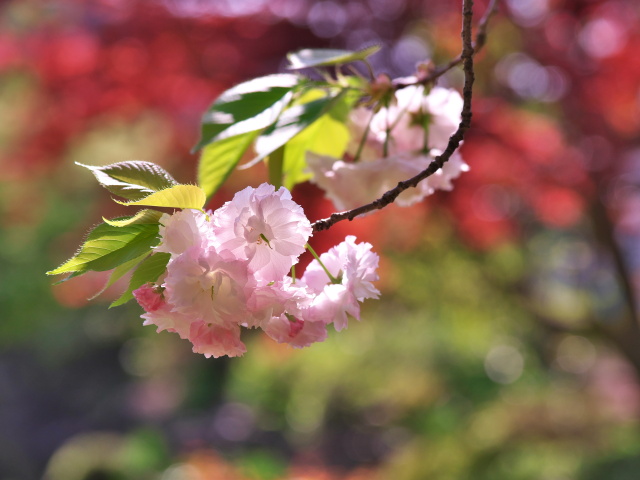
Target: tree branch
<point>468,51</point>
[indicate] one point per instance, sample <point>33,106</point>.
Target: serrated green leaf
<point>132,180</point>
<point>247,107</point>
<point>324,57</point>
<point>179,196</point>
<point>148,271</point>
<point>146,215</point>
<point>326,136</point>
<point>218,159</point>
<point>293,121</point>
<point>68,277</point>
<point>120,271</point>
<point>107,247</point>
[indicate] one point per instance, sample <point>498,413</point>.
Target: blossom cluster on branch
<point>394,144</point>
<point>229,269</point>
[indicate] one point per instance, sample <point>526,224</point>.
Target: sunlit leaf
<point>107,247</point>
<point>247,107</point>
<point>179,196</point>
<point>148,271</point>
<point>324,57</point>
<point>276,164</point>
<point>132,180</point>
<point>293,121</point>
<point>326,136</point>
<point>218,159</point>
<point>143,216</point>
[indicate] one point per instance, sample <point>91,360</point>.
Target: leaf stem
<point>372,75</point>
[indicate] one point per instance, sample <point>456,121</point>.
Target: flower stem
<point>315,255</point>
<point>363,139</point>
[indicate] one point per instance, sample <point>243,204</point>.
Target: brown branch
<point>454,141</point>
<point>604,229</point>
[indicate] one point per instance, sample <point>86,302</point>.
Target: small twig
<point>468,51</point>
<point>363,140</point>
<point>481,38</point>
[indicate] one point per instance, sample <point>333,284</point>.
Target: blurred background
<point>506,343</point>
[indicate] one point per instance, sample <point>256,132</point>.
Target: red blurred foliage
<point>521,167</point>
<point>90,61</point>
<point>527,165</point>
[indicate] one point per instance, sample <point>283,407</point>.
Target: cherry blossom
<point>349,185</point>
<point>353,268</point>
<point>265,227</point>
<point>278,298</point>
<point>184,229</point>
<point>405,121</point>
<point>159,313</point>
<point>208,339</point>
<point>215,341</point>
<point>210,286</point>
<point>296,332</point>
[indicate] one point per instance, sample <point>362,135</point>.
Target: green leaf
<point>341,109</point>
<point>120,271</point>
<point>107,247</point>
<point>148,271</point>
<point>292,121</point>
<point>68,277</point>
<point>143,216</point>
<point>324,57</point>
<point>132,180</point>
<point>247,107</point>
<point>179,196</point>
<point>218,159</point>
<point>326,136</point>
<point>276,160</point>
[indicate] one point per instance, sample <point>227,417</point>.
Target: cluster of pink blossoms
<point>230,269</point>
<point>401,141</point>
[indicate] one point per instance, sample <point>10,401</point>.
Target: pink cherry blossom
<point>278,298</point>
<point>265,227</point>
<point>207,338</point>
<point>184,229</point>
<point>215,341</point>
<point>209,286</point>
<point>159,313</point>
<point>405,120</point>
<point>350,185</point>
<point>332,304</point>
<point>353,266</point>
<point>297,333</point>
